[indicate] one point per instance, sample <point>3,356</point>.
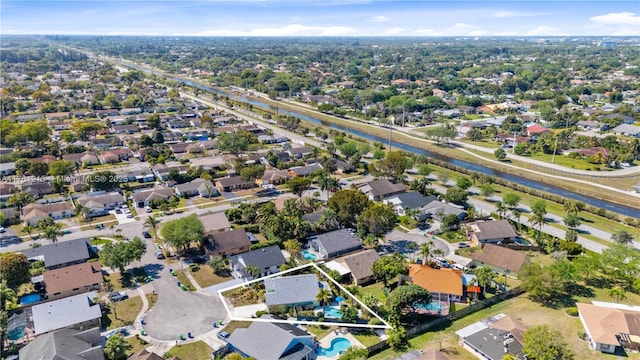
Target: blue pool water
<point>338,345</point>
<point>432,306</point>
<point>308,256</point>
<point>521,241</point>
<point>16,334</point>
<point>332,312</point>
<point>30,299</point>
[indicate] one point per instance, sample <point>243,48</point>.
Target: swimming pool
<point>332,312</point>
<point>30,299</point>
<point>338,345</point>
<point>432,306</point>
<point>308,255</point>
<point>16,334</point>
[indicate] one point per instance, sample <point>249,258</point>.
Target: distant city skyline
<point>471,18</point>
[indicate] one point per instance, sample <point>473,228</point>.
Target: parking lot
<point>122,217</point>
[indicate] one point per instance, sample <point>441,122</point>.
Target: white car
<point>147,209</point>
<point>2,229</point>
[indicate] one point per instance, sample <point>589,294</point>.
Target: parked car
<point>117,296</point>
<point>462,245</point>
<point>147,209</point>
<point>223,335</point>
<point>146,234</point>
<point>2,229</point>
<point>118,211</point>
<point>159,255</point>
<point>129,215</point>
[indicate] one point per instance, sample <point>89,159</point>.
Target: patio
<point>325,342</point>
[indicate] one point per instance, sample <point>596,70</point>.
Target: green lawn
<point>184,280</point>
<point>125,313</point>
<point>233,325</point>
<point>375,290</point>
<point>96,242</point>
<point>152,299</point>
<point>206,277</point>
<point>568,162</point>
<point>319,331</point>
<point>198,350</point>
<point>367,339</point>
<point>135,344</point>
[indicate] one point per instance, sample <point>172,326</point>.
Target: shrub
<point>572,311</point>
<point>259,313</point>
<point>194,267</point>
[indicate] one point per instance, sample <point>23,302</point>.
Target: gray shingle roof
<point>500,229</point>
<point>65,344</point>
<point>260,258</point>
<point>360,263</point>
<point>61,253</point>
<point>291,289</point>
<point>262,340</point>
<point>414,200</point>
<point>338,242</point>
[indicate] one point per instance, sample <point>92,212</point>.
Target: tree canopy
<point>347,204</point>
<point>181,233</point>
<point>118,255</point>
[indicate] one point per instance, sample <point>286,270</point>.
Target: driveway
<point>398,240</point>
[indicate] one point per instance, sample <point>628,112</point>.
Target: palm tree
<point>6,294</point>
<point>485,277</point>
<point>538,219</point>
<point>293,246</point>
<point>29,229</point>
<point>52,232</point>
<point>82,210</point>
<point>426,250</point>
<point>421,185</point>
<point>324,296</point>
<point>617,293</point>
<point>501,209</point>
<point>152,222</point>
<point>252,271</point>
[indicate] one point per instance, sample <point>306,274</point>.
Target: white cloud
<point>544,31</point>
<point>511,14</point>
<point>288,30</point>
<point>478,32</point>
<point>393,31</point>
<point>380,18</point>
<point>457,29</point>
<point>621,18</point>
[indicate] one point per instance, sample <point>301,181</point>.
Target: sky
<point>472,18</point>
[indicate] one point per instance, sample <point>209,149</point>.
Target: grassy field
<point>521,308</point>
<point>125,313</point>
<point>152,299</point>
<point>184,280</point>
<point>118,282</point>
<point>135,344</point>
<point>233,325</point>
<point>198,350</point>
<point>206,277</point>
<point>319,331</point>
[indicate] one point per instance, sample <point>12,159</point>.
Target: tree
<point>540,343</point>
<point>298,185</point>
<point>406,298</point>
<point>539,207</point>
<point>82,210</point>
<point>153,121</point>
<point>543,284</point>
<point>116,348</point>
<point>181,233</point>
<point>152,222</point>
<point>464,183</point>
<point>51,232</point>
<point>456,196</point>
<point>61,168</point>
<point>572,207</point>
<point>377,220</point>
<point>347,204</point>
<point>252,271</point>
<point>512,200</point>
<point>218,265</point>
<point>354,353</point>
<point>487,190</point>
<point>20,199</point>
<point>103,180</point>
<point>29,229</point>
<point>500,154</point>
<point>572,221</point>
<point>324,296</point>
<point>38,168</point>
<point>293,246</point>
<point>393,166</point>
<point>426,250</point>
<point>118,255</point>
<point>441,133</point>
<point>388,267</point>
<point>14,268</point>
<point>7,294</point>
<point>617,293</point>
<point>444,178</point>
<point>397,338</point>
<point>622,237</point>
<point>450,221</point>
<point>501,209</point>
<point>252,172</point>
<point>485,276</point>
<point>424,170</point>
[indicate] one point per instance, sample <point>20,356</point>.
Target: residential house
<point>209,163</point>
<point>439,209</point>
<point>47,159</point>
<point>306,170</point>
<point>130,111</point>
<point>341,167</point>
<point>72,280</point>
<point>74,312</point>
<point>86,158</point>
<point>267,340</point>
<point>299,152</point>
<point>409,202</point>
<point>444,284</point>
<point>267,260</point>
<point>115,156</point>
<point>495,337</point>
<point>228,242</point>
<point>57,116</point>
<point>500,258</point>
<point>233,183</point>
<point>274,177</point>
<point>37,188</point>
<point>107,142</point>
<point>158,193</point>
<point>140,176</point>
<point>35,212</point>
<point>65,344</point>
<point>99,205</point>
<point>627,130</point>
<point>162,170</point>
<point>537,130</point>
<point>197,187</point>
<point>215,223</point>
<point>10,215</point>
<point>491,232</point>
<point>254,129</point>
<point>297,291</point>
<point>125,129</point>
<point>360,266</point>
<point>335,243</point>
<point>6,190</point>
<point>609,326</point>
<point>272,139</point>
<point>377,190</point>
<point>60,254</point>
<point>106,113</point>
<point>626,119</point>
<point>8,169</point>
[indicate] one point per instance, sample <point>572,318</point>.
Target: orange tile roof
<point>444,281</point>
<point>605,323</point>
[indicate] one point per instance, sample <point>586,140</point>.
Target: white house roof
<point>65,312</point>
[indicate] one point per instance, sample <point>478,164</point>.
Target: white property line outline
<point>304,322</point>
